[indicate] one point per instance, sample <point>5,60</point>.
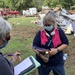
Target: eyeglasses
<point>8,38</point>
<point>47,24</point>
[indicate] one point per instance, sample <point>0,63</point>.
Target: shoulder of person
<point>2,59</point>
<point>38,33</point>
<point>59,29</point>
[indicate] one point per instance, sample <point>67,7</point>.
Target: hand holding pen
<point>15,57</point>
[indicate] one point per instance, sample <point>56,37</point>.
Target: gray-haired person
<point>48,44</point>
<point>6,66</point>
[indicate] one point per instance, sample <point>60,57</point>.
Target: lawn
<point>23,32</point>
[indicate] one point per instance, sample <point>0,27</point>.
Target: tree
<point>67,3</point>
<point>2,4</point>
<point>38,4</point>
<point>62,3</point>
<point>18,4</point>
<point>25,4</point>
<point>51,3</point>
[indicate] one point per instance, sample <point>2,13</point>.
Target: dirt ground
<point>24,32</point>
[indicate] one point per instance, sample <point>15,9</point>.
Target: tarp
<point>64,21</point>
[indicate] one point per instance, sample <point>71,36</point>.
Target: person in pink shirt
<point>50,41</point>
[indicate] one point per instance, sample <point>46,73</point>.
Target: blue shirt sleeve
<point>6,68</point>
<point>36,41</point>
<point>63,37</point>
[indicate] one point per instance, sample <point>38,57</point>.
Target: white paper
<point>22,66</point>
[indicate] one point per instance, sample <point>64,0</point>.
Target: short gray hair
<point>5,28</point>
<point>49,18</point>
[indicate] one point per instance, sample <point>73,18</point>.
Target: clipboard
<point>26,66</point>
<point>37,64</point>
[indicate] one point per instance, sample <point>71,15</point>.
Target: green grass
<point>23,21</point>
<point>22,35</point>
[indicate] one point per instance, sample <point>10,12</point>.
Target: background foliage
<point>25,4</point>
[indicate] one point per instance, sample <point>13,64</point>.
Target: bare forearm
<point>62,47</point>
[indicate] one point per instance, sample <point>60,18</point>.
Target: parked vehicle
<point>5,12</point>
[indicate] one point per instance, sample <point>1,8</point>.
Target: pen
<point>13,54</point>
<point>10,54</point>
